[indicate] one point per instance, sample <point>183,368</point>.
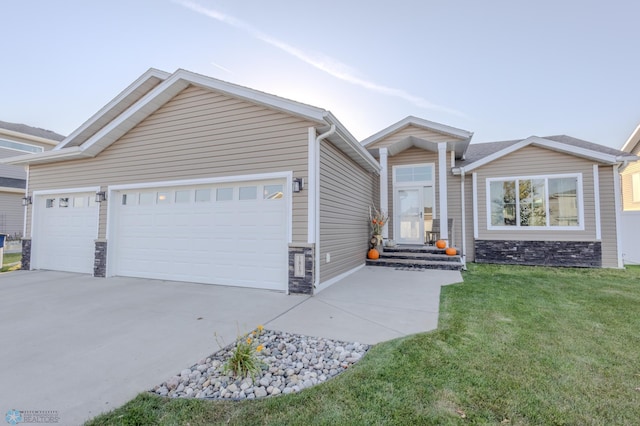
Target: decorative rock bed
<point>291,362</point>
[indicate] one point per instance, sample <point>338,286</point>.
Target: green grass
<point>8,259</point>
<point>516,345</point>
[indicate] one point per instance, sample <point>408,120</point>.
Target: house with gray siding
<point>188,178</point>
<point>18,139</point>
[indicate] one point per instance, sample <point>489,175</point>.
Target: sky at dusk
<point>501,69</point>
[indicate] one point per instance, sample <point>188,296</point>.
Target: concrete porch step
<point>416,263</point>
<point>435,256</point>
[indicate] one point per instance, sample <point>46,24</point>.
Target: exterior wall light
<point>298,184</point>
<point>101,196</point>
<point>26,200</point>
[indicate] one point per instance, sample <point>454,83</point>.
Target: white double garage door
<point>225,233</point>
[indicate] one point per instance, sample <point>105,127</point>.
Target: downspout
<point>26,208</point>
<point>316,178</point>
<point>464,214</point>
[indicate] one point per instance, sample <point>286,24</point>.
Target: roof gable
<point>479,155</point>
<point>154,89</point>
<point>632,145</point>
<point>418,132</point>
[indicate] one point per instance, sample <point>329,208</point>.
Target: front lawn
<point>516,345</point>
<point>9,260</point>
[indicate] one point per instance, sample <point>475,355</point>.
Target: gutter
<point>316,184</point>
<point>70,153</point>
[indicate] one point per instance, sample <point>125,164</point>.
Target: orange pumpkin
<point>373,254</point>
<point>451,251</point>
<point>441,244</point>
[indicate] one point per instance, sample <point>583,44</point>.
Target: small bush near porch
<point>516,345</point>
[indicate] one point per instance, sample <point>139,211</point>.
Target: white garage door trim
<point>115,191</point>
<point>36,232</point>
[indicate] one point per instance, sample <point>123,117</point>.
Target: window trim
<point>431,182</point>
<point>546,177</point>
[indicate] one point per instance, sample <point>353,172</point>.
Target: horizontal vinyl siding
<point>417,132</point>
<point>533,161</point>
<point>608,225</point>
<point>11,213</point>
<point>197,134</point>
<point>346,193</point>
<point>627,187</point>
<point>9,171</point>
<point>412,156</point>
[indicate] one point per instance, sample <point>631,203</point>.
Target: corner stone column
<point>26,254</point>
<point>100,259</point>
<point>301,268</point>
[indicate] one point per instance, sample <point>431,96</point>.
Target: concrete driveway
<point>79,345</point>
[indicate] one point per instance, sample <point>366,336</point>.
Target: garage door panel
<point>64,238</point>
<point>229,242</point>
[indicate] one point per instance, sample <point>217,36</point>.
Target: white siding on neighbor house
<point>534,161</point>
<point>9,171</point>
<point>630,237</point>
<point>346,193</point>
<point>626,182</point>
<point>197,134</point>
<point>12,213</point>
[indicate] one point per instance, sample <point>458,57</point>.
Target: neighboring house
<point>630,182</point>
<point>18,139</point>
<point>185,177</point>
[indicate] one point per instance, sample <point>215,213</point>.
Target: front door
<point>409,217</point>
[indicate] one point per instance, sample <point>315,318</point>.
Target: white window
<point>248,193</point>
<point>224,194</point>
<point>78,202</point>
<point>415,173</point>
<point>535,202</point>
<point>163,198</point>
<point>147,198</point>
<point>183,196</point>
<point>203,195</point>
<point>20,146</point>
<point>273,192</point>
<point>50,203</point>
<point>635,187</point>
<point>64,202</point>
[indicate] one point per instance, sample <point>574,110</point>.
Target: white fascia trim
<point>618,207</point>
<point>66,191</point>
<point>596,201</point>
<point>442,187</point>
<point>202,181</point>
<point>12,190</point>
<point>633,140</point>
<point>152,72</point>
<point>332,281</point>
<point>46,156</point>
<point>32,138</point>
<point>418,122</point>
<point>546,143</point>
<point>384,189</point>
<point>474,184</point>
<point>311,185</point>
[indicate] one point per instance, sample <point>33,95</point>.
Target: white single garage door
<point>230,234</point>
<point>66,227</point>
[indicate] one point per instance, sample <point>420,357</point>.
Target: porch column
<point>442,189</point>
<point>384,190</point>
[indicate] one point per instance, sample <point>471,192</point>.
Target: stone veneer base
<point>301,285</point>
<point>584,254</point>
